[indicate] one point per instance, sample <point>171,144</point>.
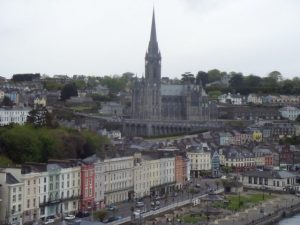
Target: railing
<point>59,200</point>
<point>164,209</point>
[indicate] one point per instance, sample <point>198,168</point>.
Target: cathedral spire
<point>153,29</point>
<point>153,45</point>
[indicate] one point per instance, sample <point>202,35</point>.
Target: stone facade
<point>152,100</point>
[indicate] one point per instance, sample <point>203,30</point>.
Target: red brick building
<point>87,186</point>
<point>268,160</point>
<point>286,156</point>
<point>180,170</point>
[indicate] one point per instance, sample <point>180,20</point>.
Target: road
<point>124,208</point>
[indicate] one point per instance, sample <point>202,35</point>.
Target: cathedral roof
<point>179,89</point>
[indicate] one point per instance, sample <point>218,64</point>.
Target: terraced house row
<point>58,188</point>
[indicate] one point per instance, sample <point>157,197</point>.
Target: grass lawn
<point>193,219</point>
<point>244,201</point>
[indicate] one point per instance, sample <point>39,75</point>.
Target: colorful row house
<point>36,191</point>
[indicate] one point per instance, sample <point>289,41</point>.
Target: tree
<point>100,215</point>
<point>7,101</point>
<point>68,91</point>
<point>21,144</point>
<point>253,82</point>
<point>40,117</point>
<point>237,82</point>
<point>276,75</point>
<point>213,75</point>
<point>269,85</point>
<point>115,84</point>
<point>188,78</point>
<point>26,77</point>
<point>287,87</point>
<point>80,84</point>
<point>202,78</point>
<point>52,85</point>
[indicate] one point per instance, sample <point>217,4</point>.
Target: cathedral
<point>152,100</point>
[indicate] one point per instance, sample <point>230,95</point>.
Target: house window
<point>255,180</point>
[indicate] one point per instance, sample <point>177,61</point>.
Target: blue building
<point>215,164</point>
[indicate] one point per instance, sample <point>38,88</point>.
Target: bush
<point>100,215</point>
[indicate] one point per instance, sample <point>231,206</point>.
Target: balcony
<point>70,198</point>
<point>57,201</point>
<point>50,202</point>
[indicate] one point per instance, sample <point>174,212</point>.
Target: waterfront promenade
<point>264,213</point>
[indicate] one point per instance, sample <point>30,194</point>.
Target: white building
<point>142,173</point>
<point>289,112</point>
<point>118,179</point>
<point>200,161</point>
<point>70,185</point>
<point>154,174</point>
<point>271,180</point>
<point>167,170</point>
<point>234,99</point>
<point>43,193</point>
<point>11,193</point>
<point>14,115</point>
<point>254,99</point>
<point>31,194</point>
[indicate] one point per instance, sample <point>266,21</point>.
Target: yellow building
<point>257,136</point>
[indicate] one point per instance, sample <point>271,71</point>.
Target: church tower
<point>146,96</point>
<point>153,57</point>
<point>152,76</point>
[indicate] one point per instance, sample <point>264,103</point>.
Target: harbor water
<point>295,220</point>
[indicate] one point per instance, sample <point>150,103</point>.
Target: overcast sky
<point>106,37</point>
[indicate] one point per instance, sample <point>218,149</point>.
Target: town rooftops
<point>270,174</point>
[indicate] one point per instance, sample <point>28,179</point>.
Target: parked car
<point>137,214</point>
<point>111,219</point>
<point>198,186</point>
<point>139,204</point>
<point>70,217</point>
<point>156,207</point>
<point>112,207</point>
<point>48,221</point>
<point>82,214</point>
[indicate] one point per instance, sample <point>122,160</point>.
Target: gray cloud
<point>97,37</point>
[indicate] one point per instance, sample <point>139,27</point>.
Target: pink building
<point>87,187</point>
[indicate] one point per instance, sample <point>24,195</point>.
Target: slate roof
<point>10,179</point>
<point>178,89</point>
<point>270,174</point>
